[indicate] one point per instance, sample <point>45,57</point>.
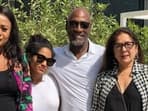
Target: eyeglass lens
<point>41,58</point>
<point>127,45</point>
<point>83,24</point>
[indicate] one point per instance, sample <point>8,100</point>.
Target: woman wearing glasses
<point>45,93</point>
<point>122,84</point>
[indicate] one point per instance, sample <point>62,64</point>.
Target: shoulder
<point>145,69</point>
<point>96,46</point>
<point>140,67</point>
<point>105,76</point>
<point>56,49</point>
<point>99,47</point>
<point>140,70</point>
<point>104,82</point>
<point>51,76</point>
<point>60,50</point>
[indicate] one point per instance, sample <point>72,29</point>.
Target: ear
<point>90,25</point>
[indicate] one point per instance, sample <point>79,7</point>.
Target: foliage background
<point>48,17</point>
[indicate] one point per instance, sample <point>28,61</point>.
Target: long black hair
<point>11,50</point>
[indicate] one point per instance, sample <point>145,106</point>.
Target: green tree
<point>48,17</point>
<point>141,33</point>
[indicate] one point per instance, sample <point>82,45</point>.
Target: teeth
<point>79,36</point>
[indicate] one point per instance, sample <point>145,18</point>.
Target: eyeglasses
<point>127,45</point>
<point>83,24</point>
<point>41,58</point>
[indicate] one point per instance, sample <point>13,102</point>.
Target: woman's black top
<point>130,100</point>
<point>8,91</point>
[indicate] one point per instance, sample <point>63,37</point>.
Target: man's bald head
<point>78,27</point>
<point>79,11</point>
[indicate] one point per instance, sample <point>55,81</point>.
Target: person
<point>45,92</point>
<point>122,84</point>
<point>15,82</point>
<point>77,63</point>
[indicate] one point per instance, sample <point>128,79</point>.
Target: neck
<point>78,51</point>
<point>126,69</point>
<point>36,78</point>
<point>3,63</point>
<point>126,66</point>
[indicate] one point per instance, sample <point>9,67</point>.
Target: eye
<point>117,45</point>
<point>84,25</point>
<point>73,23</point>
<point>50,61</point>
<point>129,44</point>
<point>4,29</point>
<point>40,58</point>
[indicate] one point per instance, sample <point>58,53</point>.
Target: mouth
<point>42,69</point>
<point>79,37</point>
<point>124,56</point>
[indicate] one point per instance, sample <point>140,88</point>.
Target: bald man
<point>77,63</point>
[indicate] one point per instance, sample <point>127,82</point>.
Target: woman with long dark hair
<point>15,81</point>
<point>122,84</point>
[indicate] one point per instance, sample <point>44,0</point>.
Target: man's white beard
<point>77,43</point>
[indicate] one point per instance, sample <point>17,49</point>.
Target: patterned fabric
<point>106,80</point>
<point>24,99</point>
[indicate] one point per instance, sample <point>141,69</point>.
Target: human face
<point>125,50</point>
<point>5,29</point>
<point>39,64</point>
<point>78,28</point>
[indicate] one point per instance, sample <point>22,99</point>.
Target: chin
<point>77,43</point>
<point>126,62</point>
<point>41,72</point>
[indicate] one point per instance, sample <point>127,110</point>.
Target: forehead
<point>123,37</point>
<point>79,15</point>
<point>4,20</point>
<point>45,51</point>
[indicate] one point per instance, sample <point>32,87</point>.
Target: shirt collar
<point>137,67</point>
<point>91,49</point>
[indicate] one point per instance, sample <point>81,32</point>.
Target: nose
<point>123,48</point>
<point>78,28</point>
<point>44,63</point>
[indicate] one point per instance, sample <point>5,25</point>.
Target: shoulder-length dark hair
<point>11,49</point>
<point>109,57</point>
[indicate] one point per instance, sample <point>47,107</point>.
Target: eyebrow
<point>7,26</point>
<point>123,42</point>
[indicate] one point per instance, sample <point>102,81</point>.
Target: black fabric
<point>8,91</point>
<point>128,101</point>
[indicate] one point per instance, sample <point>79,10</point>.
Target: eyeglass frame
<point>49,61</point>
<point>74,24</point>
<point>128,45</point>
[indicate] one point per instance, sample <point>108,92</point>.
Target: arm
<point>95,98</point>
